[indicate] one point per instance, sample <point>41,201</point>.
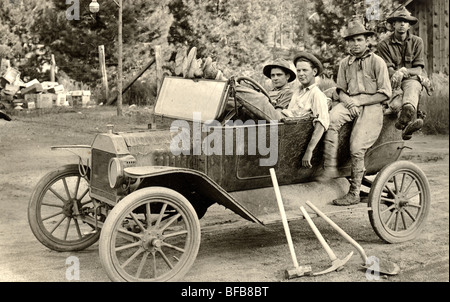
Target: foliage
<point>232,32</point>
<point>75,41</point>
<point>17,42</point>
<point>328,28</point>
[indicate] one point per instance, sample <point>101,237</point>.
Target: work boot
<point>330,153</point>
<point>411,128</point>
<point>406,115</point>
<point>352,197</point>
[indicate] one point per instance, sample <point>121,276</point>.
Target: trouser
<point>366,130</point>
<point>257,103</point>
<point>410,94</point>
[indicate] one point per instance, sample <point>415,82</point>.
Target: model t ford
<point>142,194</point>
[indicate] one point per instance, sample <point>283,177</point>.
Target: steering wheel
<point>255,85</point>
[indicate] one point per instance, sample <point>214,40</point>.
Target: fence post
<point>101,58</point>
<point>159,72</point>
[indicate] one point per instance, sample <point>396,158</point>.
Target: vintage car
<point>142,193</point>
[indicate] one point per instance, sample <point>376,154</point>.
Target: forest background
<point>240,35</point>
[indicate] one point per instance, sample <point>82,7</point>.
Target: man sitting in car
<point>307,101</point>
<point>281,75</point>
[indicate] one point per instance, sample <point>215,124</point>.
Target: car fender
<point>83,152</point>
<point>207,187</point>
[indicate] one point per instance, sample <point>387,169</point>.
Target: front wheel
<point>57,207</point>
<point>153,234</point>
<point>399,202</point>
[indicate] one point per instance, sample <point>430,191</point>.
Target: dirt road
<point>232,249</point>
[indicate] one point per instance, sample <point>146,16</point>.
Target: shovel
<point>381,266</point>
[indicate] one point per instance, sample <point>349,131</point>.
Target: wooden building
<point>433,29</point>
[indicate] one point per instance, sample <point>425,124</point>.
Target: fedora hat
<point>280,63</point>
<point>402,15</point>
<point>312,59</point>
<point>356,28</point>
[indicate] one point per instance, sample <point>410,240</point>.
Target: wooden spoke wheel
<point>57,207</point>
<point>153,234</point>
<point>400,202</point>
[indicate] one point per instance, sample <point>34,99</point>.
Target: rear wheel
<point>56,209</point>
<point>400,202</point>
<point>152,234</point>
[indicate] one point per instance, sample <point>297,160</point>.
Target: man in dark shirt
<point>281,74</point>
<point>403,54</point>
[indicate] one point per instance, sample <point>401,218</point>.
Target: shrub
<point>141,93</point>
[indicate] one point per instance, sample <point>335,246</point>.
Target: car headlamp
<point>116,175</point>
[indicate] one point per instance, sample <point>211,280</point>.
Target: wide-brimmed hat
<point>402,15</point>
<point>356,28</point>
<point>280,63</point>
<point>311,58</point>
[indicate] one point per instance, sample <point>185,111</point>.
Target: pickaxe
<point>336,263</point>
<point>383,266</point>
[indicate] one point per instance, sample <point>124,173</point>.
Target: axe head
<point>336,265</point>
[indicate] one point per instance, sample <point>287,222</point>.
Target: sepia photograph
<point>232,148</point>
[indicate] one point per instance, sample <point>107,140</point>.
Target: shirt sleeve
<point>320,109</point>
<point>382,76</point>
<point>418,60</point>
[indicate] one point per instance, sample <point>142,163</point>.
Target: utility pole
<point>119,80</point>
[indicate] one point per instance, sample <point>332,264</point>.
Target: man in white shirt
<point>308,101</point>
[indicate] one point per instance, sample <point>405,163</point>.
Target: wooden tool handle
<point>318,235</point>
<point>283,217</point>
<point>339,230</point>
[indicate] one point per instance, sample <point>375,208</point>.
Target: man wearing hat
<point>307,101</point>
<point>281,74</point>
<point>403,53</point>
<point>363,85</point>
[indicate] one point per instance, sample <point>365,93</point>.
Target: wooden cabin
<point>433,29</point>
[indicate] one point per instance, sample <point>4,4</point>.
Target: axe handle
<point>283,217</point>
<point>340,231</point>
<point>318,235</point>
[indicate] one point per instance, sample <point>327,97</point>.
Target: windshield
<point>180,98</point>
